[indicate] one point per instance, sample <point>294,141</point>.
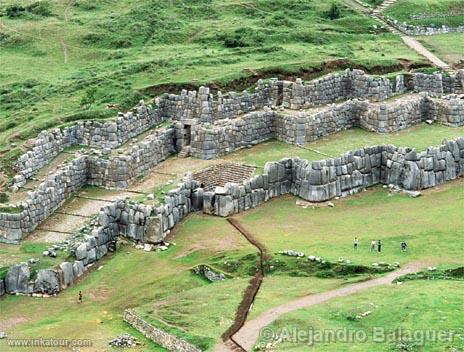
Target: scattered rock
<point>413,194</point>
<point>330,204</point>
<point>125,340</point>
<point>3,335</point>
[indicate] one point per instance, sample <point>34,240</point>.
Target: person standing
<point>356,243</point>
<point>372,246</point>
<point>379,246</point>
<point>80,296</point>
<point>404,246</point>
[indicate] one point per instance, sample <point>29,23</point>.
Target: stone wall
<point>102,134</point>
<point>410,29</point>
<point>224,136</point>
<point>114,172</point>
<point>316,181</point>
<point>138,222</point>
<point>118,171</point>
<point>162,338</point>
<point>338,177</point>
<point>206,108</point>
<point>211,141</point>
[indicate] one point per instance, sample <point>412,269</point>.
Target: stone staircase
<point>220,174</point>
<point>383,6</point>
<point>458,88</point>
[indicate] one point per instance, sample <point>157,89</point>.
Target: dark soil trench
<point>249,294</point>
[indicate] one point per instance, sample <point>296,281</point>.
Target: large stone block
<point>47,281</point>
<point>17,279</point>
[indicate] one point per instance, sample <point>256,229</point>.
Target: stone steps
<point>383,6</point>
<point>219,175</point>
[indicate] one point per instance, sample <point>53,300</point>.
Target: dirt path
<point>417,46</point>
<point>408,40</point>
<point>66,18</point>
<point>249,334</point>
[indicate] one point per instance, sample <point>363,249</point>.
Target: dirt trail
<point>66,18</point>
<point>248,335</point>
<point>408,40</point>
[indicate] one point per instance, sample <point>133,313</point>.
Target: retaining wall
<point>323,180</point>
<point>207,108</point>
<point>102,134</point>
<point>162,338</point>
<point>222,137</point>
<point>114,172</point>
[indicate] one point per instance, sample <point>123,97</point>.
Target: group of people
<point>378,244</point>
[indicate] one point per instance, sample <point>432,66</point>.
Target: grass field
<point>431,225</point>
<point>115,50</point>
<point>129,278</point>
<point>432,12</point>
<point>414,305</point>
<point>448,46</point>
<point>162,289</point>
<point>420,137</point>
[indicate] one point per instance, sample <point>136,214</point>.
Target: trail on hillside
<point>248,335</point>
<point>411,42</point>
<point>66,18</point>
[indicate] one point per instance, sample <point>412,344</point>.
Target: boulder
<point>47,281</point>
<point>17,279</point>
<point>81,251</point>
<point>2,287</point>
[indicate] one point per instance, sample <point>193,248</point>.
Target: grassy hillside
<point>428,12</point>
<point>66,61</point>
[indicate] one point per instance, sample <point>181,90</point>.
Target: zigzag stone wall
<point>323,180</point>
<point>206,108</point>
<point>316,181</point>
<point>114,172</point>
<point>108,134</point>
<point>222,137</point>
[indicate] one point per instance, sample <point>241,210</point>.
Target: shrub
<point>39,8</point>
<point>14,11</point>
<point>334,12</point>
<point>89,97</point>
<point>4,197</point>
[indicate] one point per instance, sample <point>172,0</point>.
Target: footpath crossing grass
<point>448,46</point>
<point>418,307</point>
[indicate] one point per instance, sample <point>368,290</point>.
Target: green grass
<point>129,278</point>
<point>123,47</point>
<point>15,254</point>
<point>448,46</point>
<point>415,305</point>
<point>329,232</point>
<point>420,136</point>
<point>436,12</point>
